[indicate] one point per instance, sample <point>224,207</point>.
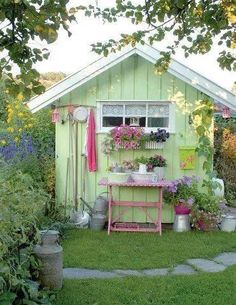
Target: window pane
<point>158,110</point>
<point>142,121</point>
<point>158,122</point>
<point>112,110</point>
<point>112,121</point>
<point>134,110</point>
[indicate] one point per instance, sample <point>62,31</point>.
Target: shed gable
<point>176,69</point>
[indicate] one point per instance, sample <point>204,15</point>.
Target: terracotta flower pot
<point>181,210</point>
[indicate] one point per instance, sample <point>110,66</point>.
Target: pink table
<point>135,227</point>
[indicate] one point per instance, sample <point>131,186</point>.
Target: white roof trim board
<point>219,94</point>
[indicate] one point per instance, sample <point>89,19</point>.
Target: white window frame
<point>170,128</point>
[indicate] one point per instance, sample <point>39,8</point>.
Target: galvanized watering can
<point>100,205</point>
<point>97,213</point>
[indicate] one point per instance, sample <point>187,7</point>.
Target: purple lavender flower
<point>196,178</point>
<point>190,201</point>
<point>172,188</point>
<point>187,180</point>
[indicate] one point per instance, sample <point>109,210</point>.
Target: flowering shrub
<point>11,150</point>
<point>205,212</point>
<point>25,155</point>
<point>182,191</point>
<point>224,156</point>
<point>229,144</point>
<point>19,118</point>
<point>21,206</point>
<point>204,221</point>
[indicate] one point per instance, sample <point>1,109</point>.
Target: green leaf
<point>200,130</point>
<point>181,3</point>
<point>7,298</point>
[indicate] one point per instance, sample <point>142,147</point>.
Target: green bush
<point>21,205</point>
<point>224,164</point>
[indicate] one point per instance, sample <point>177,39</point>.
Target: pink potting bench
<point>117,225</point>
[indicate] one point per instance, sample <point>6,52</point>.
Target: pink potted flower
<point>181,194</point>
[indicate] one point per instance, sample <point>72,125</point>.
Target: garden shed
<point>120,89</point>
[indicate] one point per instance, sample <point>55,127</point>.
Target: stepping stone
<point>183,269</point>
<point>80,273</point>
<point>228,259</point>
<point>155,272</point>
<point>206,265</point>
<point>128,272</point>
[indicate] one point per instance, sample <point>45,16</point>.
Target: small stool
<point>181,223</point>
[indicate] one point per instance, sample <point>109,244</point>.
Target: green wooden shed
<point>116,88</point>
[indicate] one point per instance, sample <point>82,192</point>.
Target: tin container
<point>228,223</point>
<point>49,252</point>
<point>181,223</point>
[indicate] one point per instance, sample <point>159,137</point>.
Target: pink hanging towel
<point>91,143</point>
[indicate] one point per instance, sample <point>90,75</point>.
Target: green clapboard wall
<point>133,79</point>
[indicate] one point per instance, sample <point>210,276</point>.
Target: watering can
<point>98,212</point>
<point>100,205</point>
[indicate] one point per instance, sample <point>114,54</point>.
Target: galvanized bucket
<point>228,223</point>
<point>97,222</point>
<point>181,223</point>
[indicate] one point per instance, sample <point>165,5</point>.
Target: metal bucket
<point>228,223</point>
<point>181,223</point>
<point>97,222</point>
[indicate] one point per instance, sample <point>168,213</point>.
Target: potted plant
<point>116,168</point>
<point>142,161</point>
<point>129,166</point>
<point>181,194</point>
<point>160,136</point>
<point>123,137</point>
<point>205,213</point>
<point>117,174</point>
<point>157,163</point>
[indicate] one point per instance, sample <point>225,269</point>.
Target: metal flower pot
<point>181,223</point>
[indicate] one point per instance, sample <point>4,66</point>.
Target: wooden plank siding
<point>132,79</point>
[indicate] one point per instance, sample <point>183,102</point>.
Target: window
<point>150,115</point>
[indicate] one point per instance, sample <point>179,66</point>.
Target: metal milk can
<point>50,254</point>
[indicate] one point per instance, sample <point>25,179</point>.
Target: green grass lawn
<point>91,249</point>
<point>201,289</point>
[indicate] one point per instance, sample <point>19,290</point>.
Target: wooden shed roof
<point>218,93</point>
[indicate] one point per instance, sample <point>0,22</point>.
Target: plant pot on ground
<point>181,194</point>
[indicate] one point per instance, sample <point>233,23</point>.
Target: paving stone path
<point>191,266</point>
